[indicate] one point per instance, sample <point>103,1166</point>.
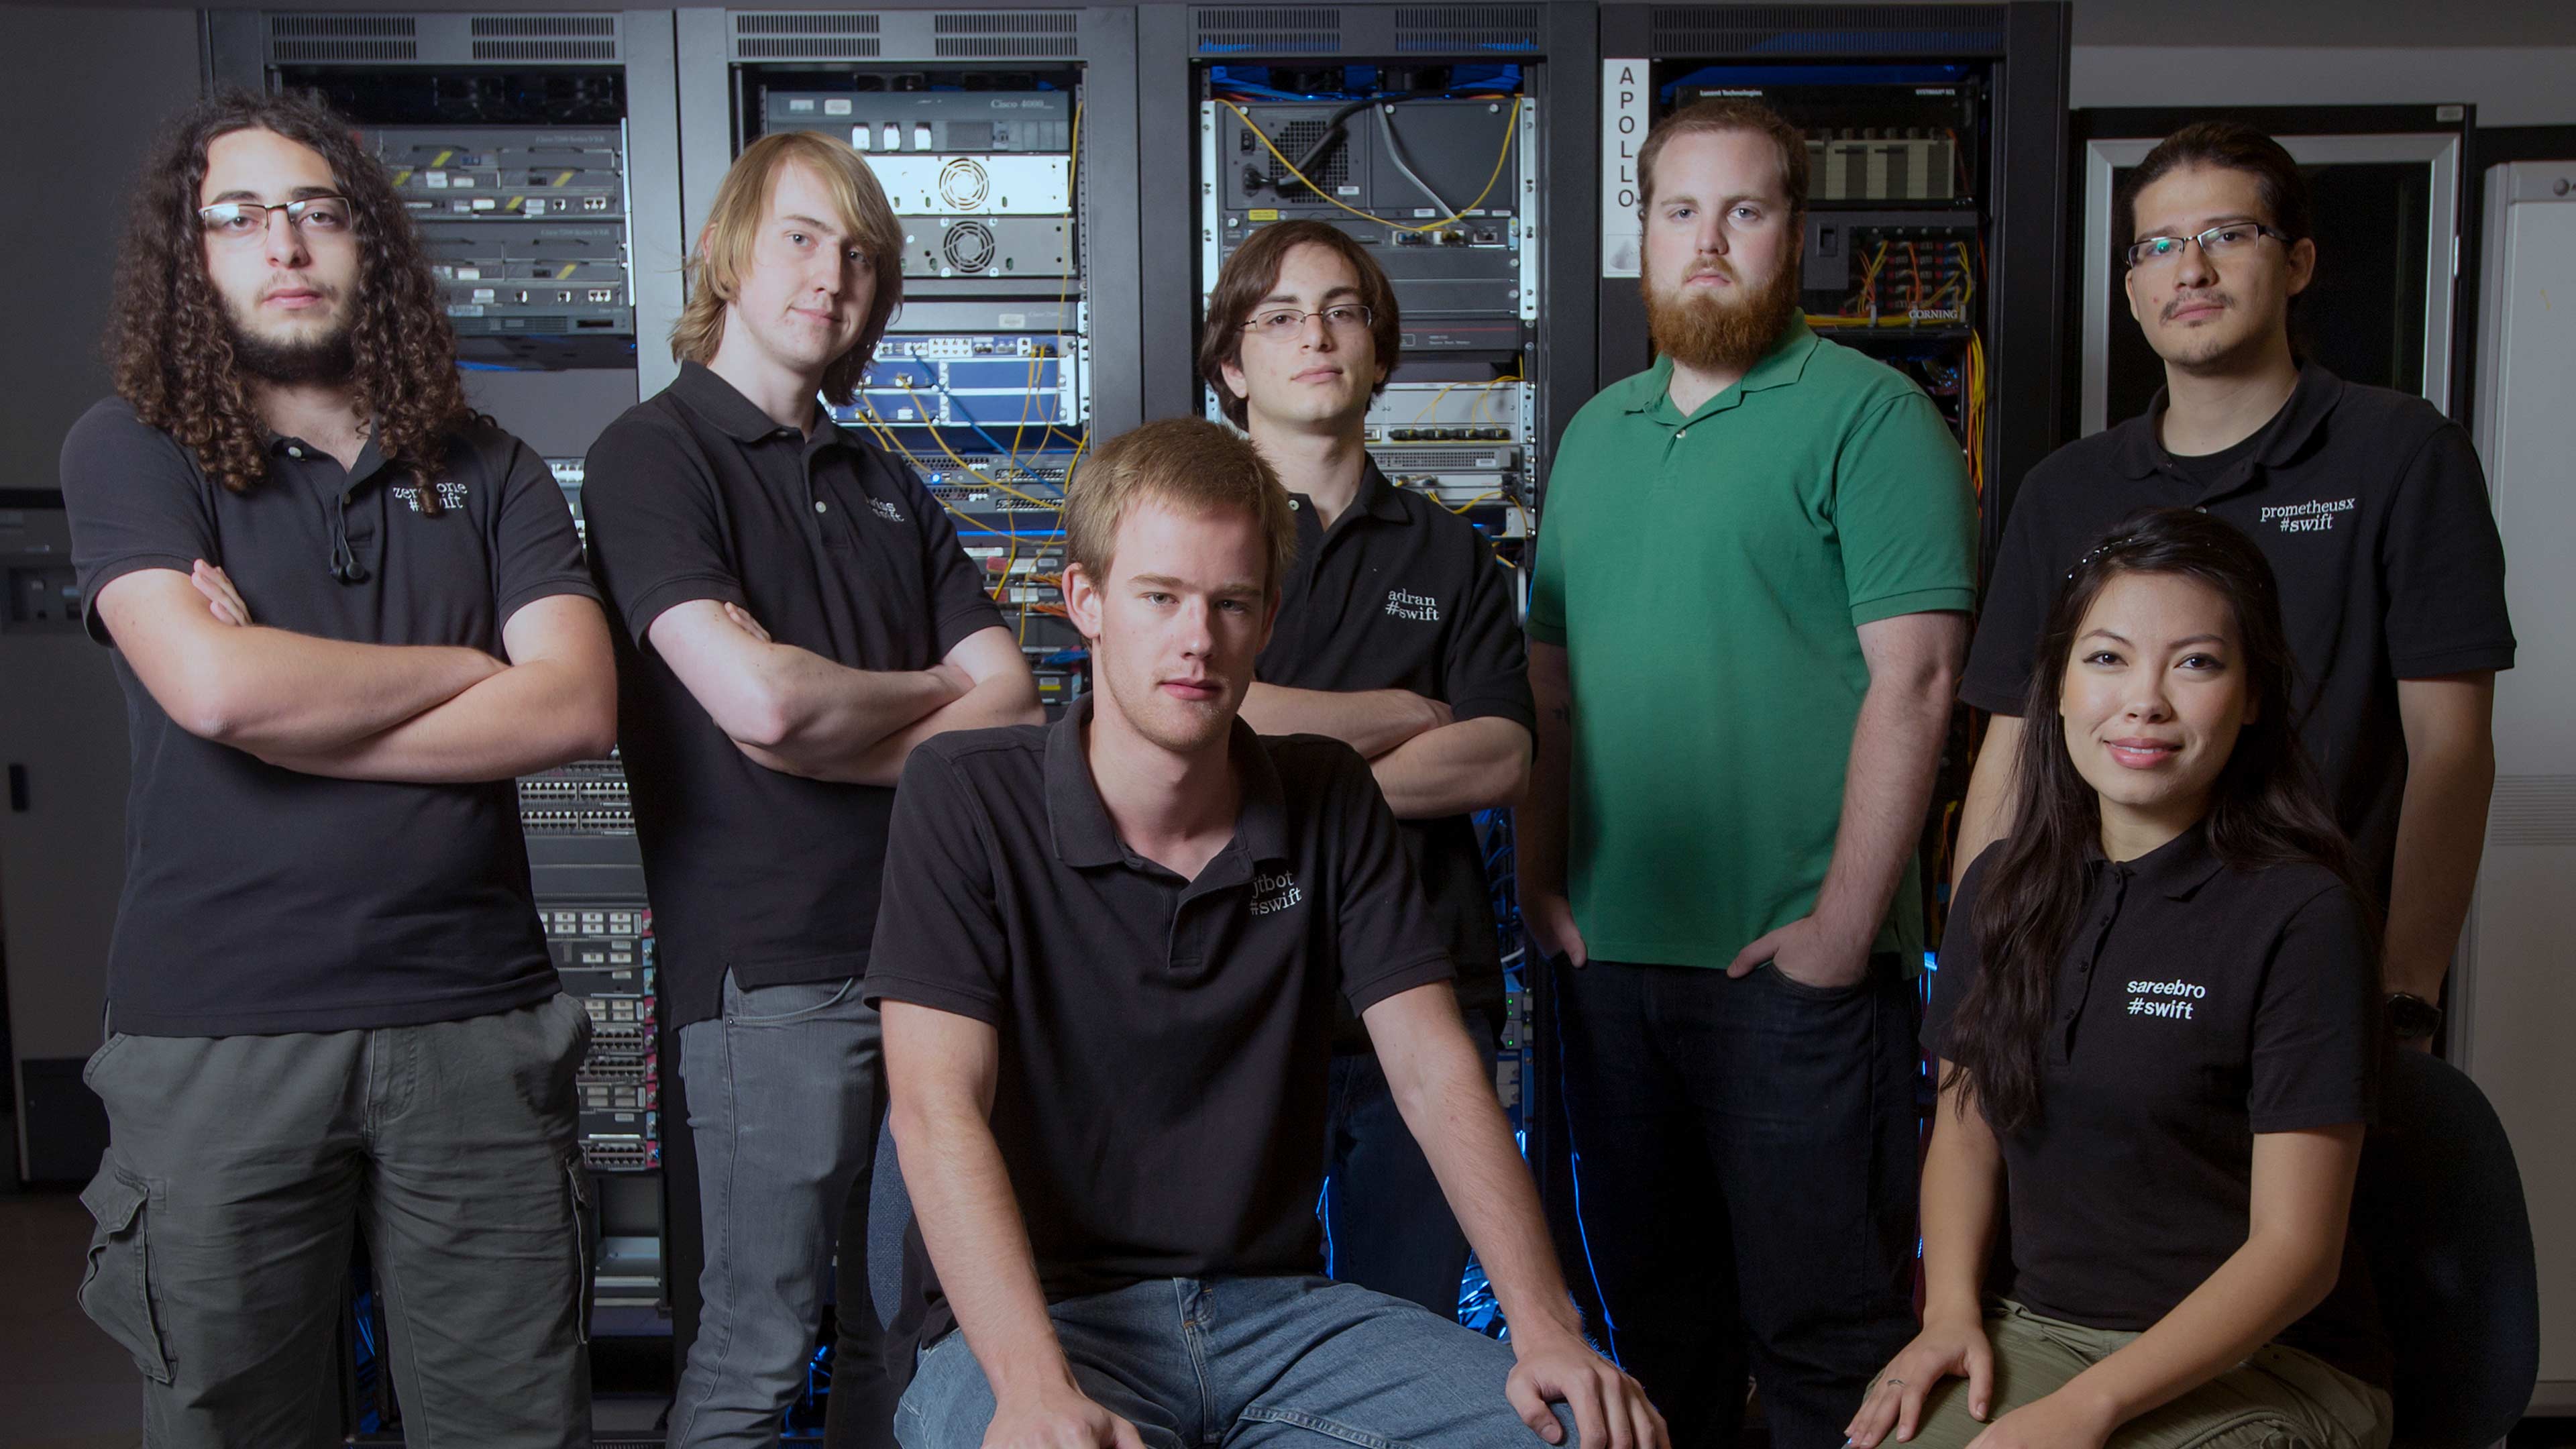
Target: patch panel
<point>603,952</point>
<point>982,381</point>
<point>586,797</point>
<point>1889,270</point>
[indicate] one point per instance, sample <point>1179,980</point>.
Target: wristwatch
<point>2411,1016</point>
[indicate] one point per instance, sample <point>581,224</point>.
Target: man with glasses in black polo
<point>1396,636</point>
<point>2369,503</point>
<point>346,612</point>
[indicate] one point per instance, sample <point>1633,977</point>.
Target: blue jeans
<point>785,1091</point>
<point>1279,1363</point>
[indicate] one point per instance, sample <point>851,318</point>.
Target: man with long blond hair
<point>795,617</point>
<point>1108,959</point>
<point>345,614</point>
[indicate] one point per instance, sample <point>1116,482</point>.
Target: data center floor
<point>66,1385</point>
<point>63,1383</point>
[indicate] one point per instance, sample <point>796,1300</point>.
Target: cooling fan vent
<point>964,183</point>
<point>968,246</point>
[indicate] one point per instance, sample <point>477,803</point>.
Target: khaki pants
<point>237,1170</point>
<point>2279,1398</point>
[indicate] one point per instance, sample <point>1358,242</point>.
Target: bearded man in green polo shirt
<point>1754,571</point>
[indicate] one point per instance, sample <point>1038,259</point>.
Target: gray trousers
<point>785,1093</point>
<point>236,1170</point>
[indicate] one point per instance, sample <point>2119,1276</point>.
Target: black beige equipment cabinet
<point>539,155</point>
<point>1936,147</point>
<point>1451,142</point>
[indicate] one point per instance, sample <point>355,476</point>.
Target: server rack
<point>2008,63</point>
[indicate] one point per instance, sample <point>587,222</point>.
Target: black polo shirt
<point>1161,1097</point>
<point>2373,511</point>
<point>2198,1005</point>
<point>1401,593</point>
<point>697,494</point>
<point>260,900</point>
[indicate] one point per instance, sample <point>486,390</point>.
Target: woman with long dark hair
<point>2154,1020</point>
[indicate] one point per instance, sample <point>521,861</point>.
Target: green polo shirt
<point>1706,576</point>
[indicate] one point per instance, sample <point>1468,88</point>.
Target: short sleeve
<point>958,605</point>
<point>1486,671</point>
<point>939,938</point>
<point>536,551</point>
<point>2444,566</point>
<point>135,500</point>
<point>1904,514</point>
<point>1959,961</point>
<point>2006,649</point>
<point>2316,1041</point>
<point>1384,932</point>
<point>1546,622</point>
<point>648,501</point>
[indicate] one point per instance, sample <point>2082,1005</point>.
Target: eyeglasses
<point>1346,318</point>
<point>239,221</point>
<point>2235,238</point>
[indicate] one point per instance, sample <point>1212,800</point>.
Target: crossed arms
<point>416,714</point>
<point>794,711</point>
<point>1428,764</point>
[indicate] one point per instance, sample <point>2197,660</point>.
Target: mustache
<point>2178,303</point>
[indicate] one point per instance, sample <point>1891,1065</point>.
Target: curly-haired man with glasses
<point>346,612</point>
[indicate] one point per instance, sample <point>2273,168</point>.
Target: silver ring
<point>1891,1383</point>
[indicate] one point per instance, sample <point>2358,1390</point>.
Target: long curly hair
<point>170,346</point>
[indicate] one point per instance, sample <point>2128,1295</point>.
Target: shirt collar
<point>1079,823</point>
<point>1376,498</point>
<point>1783,365</point>
<point>736,416</point>
<point>2285,437</point>
<point>2179,867</point>
<point>370,462</point>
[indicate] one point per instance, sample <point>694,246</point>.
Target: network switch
<point>505,172</point>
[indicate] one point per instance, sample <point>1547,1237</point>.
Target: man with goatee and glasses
<point>1754,571</point>
<point>346,612</point>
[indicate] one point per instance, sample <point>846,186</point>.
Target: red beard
<point>1723,331</point>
